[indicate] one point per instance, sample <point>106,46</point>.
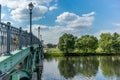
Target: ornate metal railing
<point>12,38</point>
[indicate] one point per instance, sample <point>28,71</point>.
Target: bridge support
<point>31,65</point>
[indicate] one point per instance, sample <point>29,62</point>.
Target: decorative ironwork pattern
<point>12,38</point>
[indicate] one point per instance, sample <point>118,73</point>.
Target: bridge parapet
<point>25,56</point>
<point>12,38</point>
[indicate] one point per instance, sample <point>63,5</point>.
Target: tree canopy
<point>108,43</point>
<point>66,43</point>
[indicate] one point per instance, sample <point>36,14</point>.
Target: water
<point>81,68</point>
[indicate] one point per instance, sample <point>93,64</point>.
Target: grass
<point>55,52</point>
<point>52,52</point>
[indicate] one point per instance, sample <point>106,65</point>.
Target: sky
<point>56,17</point>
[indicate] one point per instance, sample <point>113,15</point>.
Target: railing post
<point>8,38</point>
<point>20,44</point>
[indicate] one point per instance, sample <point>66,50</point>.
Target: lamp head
<point>39,28</point>
<point>31,6</point>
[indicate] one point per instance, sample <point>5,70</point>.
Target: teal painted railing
<point>15,48</point>
<point>12,38</point>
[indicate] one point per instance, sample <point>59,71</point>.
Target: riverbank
<point>54,52</point>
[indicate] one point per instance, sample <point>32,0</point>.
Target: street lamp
<point>0,12</point>
<point>39,33</point>
<point>30,8</point>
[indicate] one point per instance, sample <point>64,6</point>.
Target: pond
<point>81,68</point>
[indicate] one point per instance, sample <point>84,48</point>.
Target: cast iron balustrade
<point>12,38</point>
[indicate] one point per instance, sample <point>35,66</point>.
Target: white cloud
<point>73,20</point>
<point>22,14</point>
<point>89,14</point>
<point>72,23</point>
<point>22,3</point>
<point>46,1</point>
<point>2,16</point>
<point>53,7</point>
<point>116,24</point>
<point>19,8</point>
<point>51,34</point>
<point>97,34</point>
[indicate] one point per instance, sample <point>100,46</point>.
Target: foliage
<point>66,43</point>
<point>87,43</point>
<point>105,42</point>
<point>108,43</point>
<point>116,42</point>
<point>50,45</point>
<point>53,52</point>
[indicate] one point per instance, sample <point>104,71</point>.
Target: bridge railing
<point>12,38</point>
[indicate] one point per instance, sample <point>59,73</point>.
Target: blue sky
<point>56,17</point>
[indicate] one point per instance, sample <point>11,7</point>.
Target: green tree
<point>79,45</point>
<point>116,42</point>
<point>87,43</point>
<point>105,42</point>
<point>50,45</point>
<point>66,43</point>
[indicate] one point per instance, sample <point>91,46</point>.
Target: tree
<point>66,43</point>
<point>79,45</point>
<point>116,42</point>
<point>105,42</point>
<point>49,45</point>
<point>87,43</point>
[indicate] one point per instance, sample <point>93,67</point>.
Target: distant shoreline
<point>57,53</point>
<point>74,54</point>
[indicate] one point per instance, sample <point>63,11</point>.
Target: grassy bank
<point>54,52</point>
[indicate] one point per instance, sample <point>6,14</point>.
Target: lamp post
<point>39,33</point>
<point>0,12</point>
<point>30,8</point>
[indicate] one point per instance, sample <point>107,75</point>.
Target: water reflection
<point>39,72</point>
<point>69,67</point>
<point>110,66</point>
<point>79,68</point>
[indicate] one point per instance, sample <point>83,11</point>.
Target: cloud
<point>19,8</point>
<point>97,34</point>
<point>72,23</point>
<point>2,16</point>
<point>73,20</point>
<point>22,3</point>
<point>51,8</point>
<point>89,14</point>
<point>51,34</point>
<point>22,14</point>
<point>116,24</point>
